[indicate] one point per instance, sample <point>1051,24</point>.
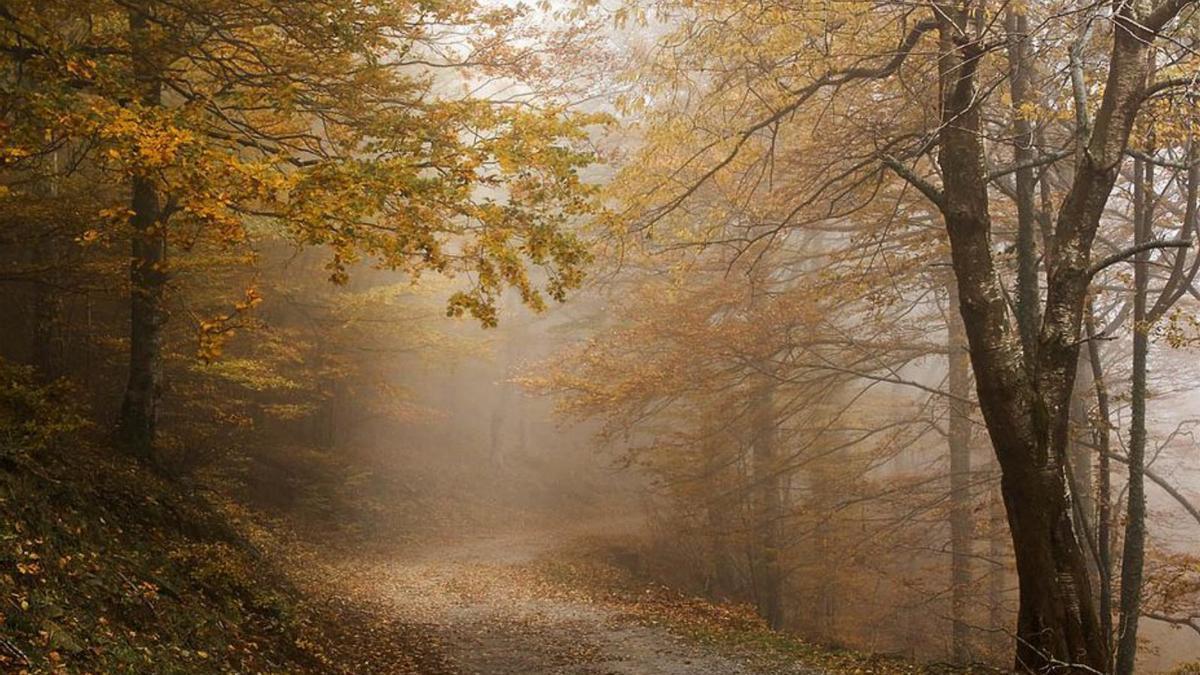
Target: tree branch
<point>1192,622</point>
<point>1163,85</point>
<point>1160,16</point>
<point>931,192</point>
<point>1134,250</point>
<point>1149,159</point>
<point>1031,164</point>
<point>1163,483</point>
<point>802,95</point>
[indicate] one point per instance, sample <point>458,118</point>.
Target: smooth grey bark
<point>1081,451</point>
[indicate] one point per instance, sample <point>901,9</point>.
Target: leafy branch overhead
<point>336,122</point>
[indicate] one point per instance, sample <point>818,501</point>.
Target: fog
<point>650,338</point>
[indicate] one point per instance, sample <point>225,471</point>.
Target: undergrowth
<point>734,629</point>
<point>106,567</point>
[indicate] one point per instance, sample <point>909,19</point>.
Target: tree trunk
<point>1145,315</point>
<point>1028,295</point>
<point>767,505</point>
<point>1025,398</point>
<point>958,439</point>
<point>717,510</point>
<point>1056,620</point>
<point>1134,553</point>
<point>822,611</point>
<point>148,274</point>
<point>48,349</point>
<point>148,317</point>
<point>1081,452</point>
<point>998,578</point>
<point>495,437</point>
<point>1104,489</point>
<point>49,354</point>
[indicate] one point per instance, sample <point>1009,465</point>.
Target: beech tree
<point>335,123</point>
<point>912,89</point>
<point>1025,393</point>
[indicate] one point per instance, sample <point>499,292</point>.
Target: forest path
<point>493,614</point>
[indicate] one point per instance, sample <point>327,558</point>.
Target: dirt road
<point>493,616</point>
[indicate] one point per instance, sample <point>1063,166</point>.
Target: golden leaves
<point>213,333</point>
<point>139,140</point>
<point>324,124</point>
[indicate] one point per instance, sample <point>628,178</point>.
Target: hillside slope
<point>106,567</point>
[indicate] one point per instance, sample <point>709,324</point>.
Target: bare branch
<point>1134,250</point>
<point>931,192</point>
<point>1160,16</point>
<point>1034,163</point>
<point>1163,483</point>
<point>1192,622</point>
<point>1173,83</point>
<point>802,95</point>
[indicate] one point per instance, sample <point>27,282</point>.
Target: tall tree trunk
<point>49,352</point>
<point>767,504</point>
<point>1056,619</point>
<point>1081,451</point>
<point>148,274</point>
<point>495,437</point>
<point>998,578</point>
<point>724,572</point>
<point>1134,553</point>
<point>148,317</point>
<point>1146,315</point>
<point>718,526</point>
<point>825,553</point>
<point>958,439</point>
<point>1104,490</point>
<point>1028,295</point>
<point>1025,398</point>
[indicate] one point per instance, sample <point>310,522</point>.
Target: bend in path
<point>492,617</point>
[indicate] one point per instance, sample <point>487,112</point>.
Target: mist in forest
<point>639,337</point>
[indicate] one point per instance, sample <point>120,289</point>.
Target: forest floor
<point>555,602</point>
